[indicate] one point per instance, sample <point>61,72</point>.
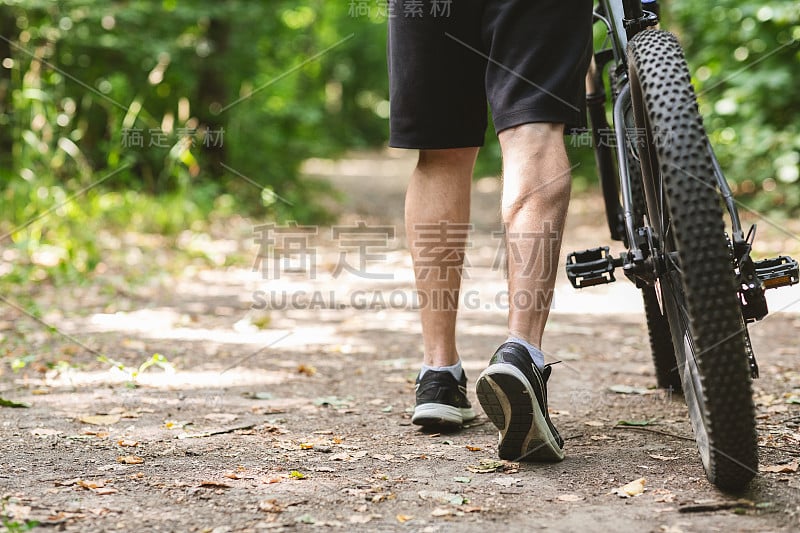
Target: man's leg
<point>536,187</point>
<point>513,389</point>
<point>437,214</point>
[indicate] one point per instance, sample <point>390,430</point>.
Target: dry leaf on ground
<point>634,488</point>
<point>215,484</point>
<point>270,506</point>
<point>130,459</point>
<point>486,466</point>
<point>100,420</point>
<point>506,481</point>
<point>781,469</point>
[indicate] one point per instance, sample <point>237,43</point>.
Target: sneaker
<point>513,393</point>
<point>441,400</point>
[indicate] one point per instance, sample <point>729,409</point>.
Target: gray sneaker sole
<point>437,414</point>
<point>510,403</point>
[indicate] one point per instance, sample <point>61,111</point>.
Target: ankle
<point>536,354</point>
<point>456,370</point>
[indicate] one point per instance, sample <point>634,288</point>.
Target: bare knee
<point>536,173</point>
<point>533,137</point>
<point>461,159</point>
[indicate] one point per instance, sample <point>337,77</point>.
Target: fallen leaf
<point>387,409</point>
<point>270,506</point>
<point>403,518</point>
<point>457,499</point>
<point>127,443</point>
<point>634,488</point>
<point>215,484</point>
<point>295,474</point>
<point>130,460</point>
<point>781,469</point>
<point>382,496</point>
<point>462,479</point>
<point>306,446</point>
<point>667,497</point>
<point>95,433</point>
<point>506,481</point>
<point>100,420</point>
<point>305,519</point>
<point>662,457</point>
<point>569,498</point>
<point>474,448</point>
<point>308,370</point>
<point>333,401</point>
<point>635,422</point>
<point>441,496</point>
<point>11,403</point>
<point>486,466</point>
<point>104,491</point>
<point>91,484</point>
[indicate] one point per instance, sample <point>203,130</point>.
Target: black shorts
<point>529,57</point>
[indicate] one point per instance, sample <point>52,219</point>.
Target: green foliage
<point>132,374</point>
<point>149,115</point>
<point>745,57</point>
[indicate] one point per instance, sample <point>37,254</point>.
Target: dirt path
<point>297,416</point>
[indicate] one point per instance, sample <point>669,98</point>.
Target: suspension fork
<point>595,103</point>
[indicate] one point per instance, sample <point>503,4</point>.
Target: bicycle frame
<point>623,19</point>
<point>688,269</point>
<point>616,16</point>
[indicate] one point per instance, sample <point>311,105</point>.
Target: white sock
<point>535,353</point>
<point>455,369</point>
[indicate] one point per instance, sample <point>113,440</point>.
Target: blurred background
<point>161,116</point>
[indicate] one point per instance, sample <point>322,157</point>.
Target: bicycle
<point>665,194</point>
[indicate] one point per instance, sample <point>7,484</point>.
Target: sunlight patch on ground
<point>189,379</point>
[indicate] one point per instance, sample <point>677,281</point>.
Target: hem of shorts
<point>410,145</point>
<point>536,115</point>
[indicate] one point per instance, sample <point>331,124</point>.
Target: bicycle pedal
<point>777,272</point>
<point>590,267</point>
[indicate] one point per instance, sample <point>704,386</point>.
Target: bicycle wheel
<point>667,375</point>
<point>693,265</point>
